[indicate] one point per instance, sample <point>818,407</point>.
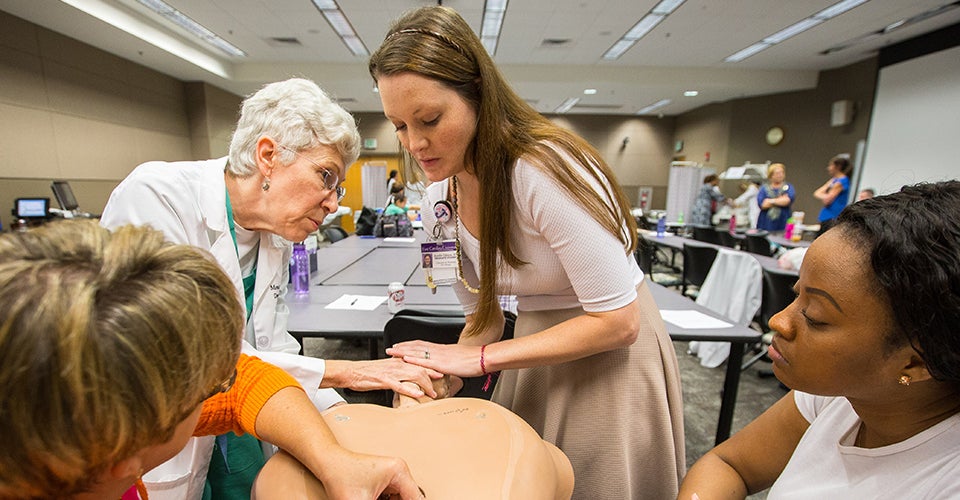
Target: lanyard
<point>250,281</point>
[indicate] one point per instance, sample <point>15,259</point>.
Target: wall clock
<point>774,136</point>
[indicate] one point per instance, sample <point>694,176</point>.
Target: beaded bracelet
<point>483,368</point>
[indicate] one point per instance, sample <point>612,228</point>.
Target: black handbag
<point>393,225</point>
<point>366,222</point>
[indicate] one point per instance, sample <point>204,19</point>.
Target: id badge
<point>439,262</point>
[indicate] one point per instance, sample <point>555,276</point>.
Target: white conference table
<point>370,269</point>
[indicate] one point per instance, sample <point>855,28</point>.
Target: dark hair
<point>710,178</point>
<point>843,164</point>
<point>913,240</point>
<point>393,173</point>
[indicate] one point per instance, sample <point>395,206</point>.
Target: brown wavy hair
<point>108,341</point>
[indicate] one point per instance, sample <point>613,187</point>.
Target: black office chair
<point>697,261</point>
<point>334,234</point>
<point>442,327</point>
<point>706,234</point>
<point>728,240</point>
<point>645,254</point>
<point>758,244</point>
<point>776,295</point>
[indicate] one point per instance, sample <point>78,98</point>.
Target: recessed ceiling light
<point>691,93</point>
<point>589,91</point>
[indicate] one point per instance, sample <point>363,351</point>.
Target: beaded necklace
<point>456,233</point>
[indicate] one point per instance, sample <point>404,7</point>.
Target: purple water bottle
<point>301,269</point>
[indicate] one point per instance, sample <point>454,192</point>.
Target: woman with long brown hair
<point>532,210</point>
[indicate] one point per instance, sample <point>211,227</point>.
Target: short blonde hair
<point>773,166</point>
<point>107,343</point>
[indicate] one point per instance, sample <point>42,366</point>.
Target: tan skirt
<point>617,415</point>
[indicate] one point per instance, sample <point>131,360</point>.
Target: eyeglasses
<point>330,178</point>
<point>223,386</point>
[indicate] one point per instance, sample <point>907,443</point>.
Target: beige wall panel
<point>80,93</point>
<point>21,75</point>
<point>149,80</point>
<point>156,112</point>
<point>705,130</point>
<point>153,145</point>
<point>66,51</point>
<point>218,148</point>
<point>91,149</point>
<point>18,34</point>
<point>26,145</point>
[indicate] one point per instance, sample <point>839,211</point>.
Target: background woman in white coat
<point>535,212</point>
<point>287,158</point>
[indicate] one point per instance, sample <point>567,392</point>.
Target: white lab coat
<point>748,201</point>
<point>187,202</point>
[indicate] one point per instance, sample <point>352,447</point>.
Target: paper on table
<point>357,302</point>
<point>396,239</point>
<point>692,320</point>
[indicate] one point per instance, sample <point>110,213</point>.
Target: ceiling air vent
<point>283,41</point>
<point>554,42</point>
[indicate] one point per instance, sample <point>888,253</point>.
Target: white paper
<point>692,320</point>
<point>395,239</point>
<point>357,302</point>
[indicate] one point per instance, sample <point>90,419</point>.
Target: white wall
<point>915,129</point>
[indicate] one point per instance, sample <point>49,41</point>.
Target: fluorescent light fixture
<point>589,91</point>
<point>194,28</point>
<point>567,105</point>
<point>341,25</point>
<point>747,52</point>
<point>641,28</point>
<point>666,7</point>
<point>125,22</point>
<point>691,93</point>
<point>618,49</point>
<point>793,30</point>
<point>797,28</point>
<point>657,105</point>
<point>493,14</point>
<point>838,8</point>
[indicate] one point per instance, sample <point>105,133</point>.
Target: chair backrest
<point>334,233</point>
<point>777,294</point>
<point>697,260</point>
<point>644,255</point>
<point>758,244</point>
<point>727,239</point>
<point>435,327</point>
<point>706,234</point>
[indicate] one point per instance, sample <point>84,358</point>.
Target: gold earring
<point>266,184</point>
<point>905,379</point>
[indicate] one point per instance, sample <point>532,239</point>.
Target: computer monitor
<point>32,208</point>
<point>64,195</point>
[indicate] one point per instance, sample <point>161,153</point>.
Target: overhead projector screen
<point>915,129</point>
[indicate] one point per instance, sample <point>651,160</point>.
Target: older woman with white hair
<point>288,157</point>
